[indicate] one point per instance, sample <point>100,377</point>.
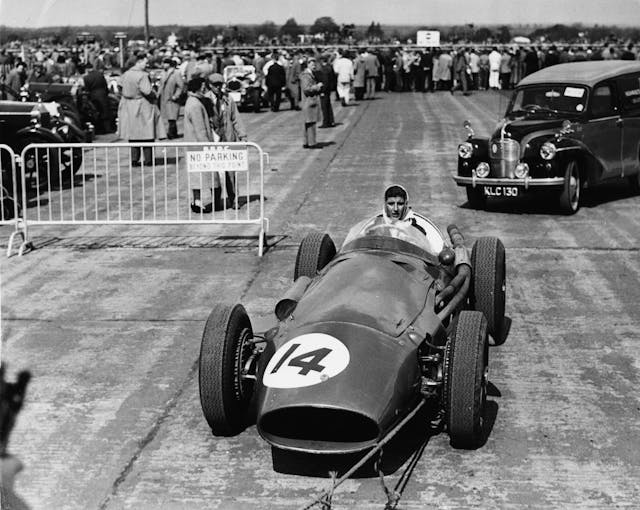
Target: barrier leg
<point>21,230</point>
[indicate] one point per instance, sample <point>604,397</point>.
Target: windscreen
<point>420,233</point>
<point>550,99</point>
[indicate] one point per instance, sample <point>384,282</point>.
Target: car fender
<point>46,135</point>
<point>574,149</point>
<point>569,148</point>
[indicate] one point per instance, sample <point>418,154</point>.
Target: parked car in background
<point>567,127</point>
<point>24,123</point>
<point>71,97</point>
<point>240,84</point>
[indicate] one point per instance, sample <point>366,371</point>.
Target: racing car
<point>397,317</point>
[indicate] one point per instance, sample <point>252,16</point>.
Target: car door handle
<point>619,122</point>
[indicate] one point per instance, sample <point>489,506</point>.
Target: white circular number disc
<point>306,360</point>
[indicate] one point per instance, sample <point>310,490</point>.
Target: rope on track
<point>324,498</point>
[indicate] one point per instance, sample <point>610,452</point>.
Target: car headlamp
<point>548,151</point>
<point>35,117</point>
<point>521,171</point>
<point>465,150</point>
<point>63,128</point>
<point>482,170</point>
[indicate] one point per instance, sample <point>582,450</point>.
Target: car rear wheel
<point>466,380</point>
<point>225,392</point>
<point>316,251</point>
<point>571,189</point>
<point>476,198</point>
<point>488,295</point>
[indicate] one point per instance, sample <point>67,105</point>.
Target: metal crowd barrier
<point>100,183</point>
<point>10,206</point>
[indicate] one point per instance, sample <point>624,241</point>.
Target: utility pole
<point>146,22</point>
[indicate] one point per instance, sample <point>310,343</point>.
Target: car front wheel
<point>466,380</point>
<point>315,252</point>
<point>570,194</point>
<point>225,352</point>
<point>488,295</point>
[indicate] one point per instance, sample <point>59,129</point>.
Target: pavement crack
<point>323,170</point>
<point>171,404</point>
<point>149,437</point>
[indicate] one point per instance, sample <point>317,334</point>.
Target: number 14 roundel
<point>306,360</point>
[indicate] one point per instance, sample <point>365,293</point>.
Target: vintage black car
<point>396,319</point>
<point>24,123</point>
<point>567,127</point>
<point>240,84</point>
<point>73,101</point>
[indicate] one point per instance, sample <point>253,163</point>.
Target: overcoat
<point>196,121</point>
<point>138,117</point>
<point>225,120</point>
<point>359,72</point>
<point>170,88</point>
<point>310,103</point>
<point>198,129</point>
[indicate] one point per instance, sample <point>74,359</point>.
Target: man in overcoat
<point>171,89</point>
<point>227,127</point>
<point>311,90</point>
<point>96,86</point>
<point>139,117</point>
<point>325,75</point>
<point>372,71</point>
<point>293,81</point>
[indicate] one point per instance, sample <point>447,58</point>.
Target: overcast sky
<point>38,13</point>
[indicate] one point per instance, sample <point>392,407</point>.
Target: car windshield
<point>549,99</point>
<point>421,234</point>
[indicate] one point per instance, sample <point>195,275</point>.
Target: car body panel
<point>586,73</point>
<point>376,306</point>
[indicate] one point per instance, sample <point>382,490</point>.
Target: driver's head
<point>396,202</point>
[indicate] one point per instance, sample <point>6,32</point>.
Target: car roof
<point>584,73</point>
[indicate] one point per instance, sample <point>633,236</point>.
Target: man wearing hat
<point>311,90</point>
<point>227,127</point>
<point>171,90</point>
<point>139,118</point>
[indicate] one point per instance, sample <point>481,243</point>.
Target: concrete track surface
<point>109,321</point>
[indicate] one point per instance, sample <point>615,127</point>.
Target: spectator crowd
<point>337,73</point>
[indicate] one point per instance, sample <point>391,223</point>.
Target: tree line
<point>326,30</point>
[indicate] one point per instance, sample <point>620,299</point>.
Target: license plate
<point>501,191</point>
<point>236,96</point>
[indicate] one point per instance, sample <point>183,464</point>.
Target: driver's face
<point>395,207</point>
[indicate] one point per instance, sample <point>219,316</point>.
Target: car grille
<point>504,155</point>
<point>234,85</point>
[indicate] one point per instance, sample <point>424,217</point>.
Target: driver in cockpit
<point>396,207</point>
<point>396,211</point>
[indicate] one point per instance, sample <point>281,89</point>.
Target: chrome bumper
<point>525,183</point>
